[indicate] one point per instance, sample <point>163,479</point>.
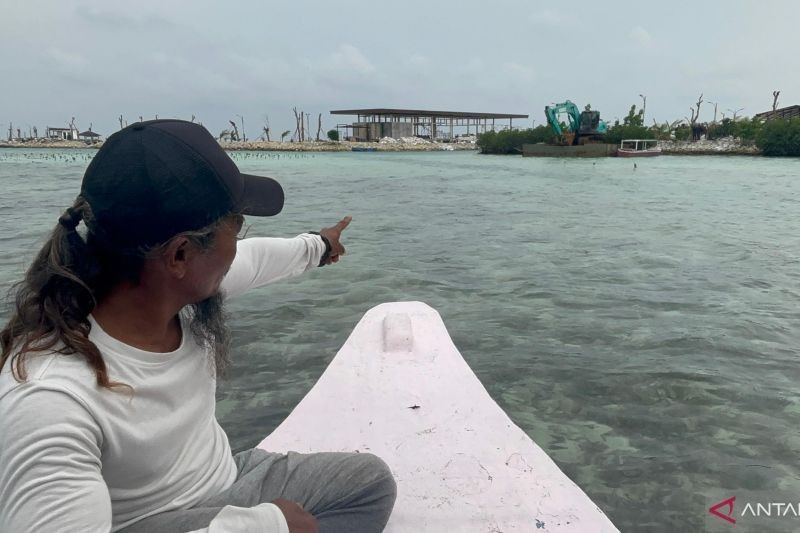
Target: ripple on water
<point>642,328</point>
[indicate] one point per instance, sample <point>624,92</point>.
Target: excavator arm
<point>554,113</point>
<point>580,126</point>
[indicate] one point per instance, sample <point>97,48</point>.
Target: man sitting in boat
<point>110,358</point>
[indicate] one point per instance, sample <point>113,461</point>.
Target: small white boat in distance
<point>638,148</point>
<point>400,389</point>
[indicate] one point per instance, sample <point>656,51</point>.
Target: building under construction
<point>374,124</point>
<point>793,111</point>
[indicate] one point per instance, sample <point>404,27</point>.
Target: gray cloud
<point>104,19</point>
<point>253,58</point>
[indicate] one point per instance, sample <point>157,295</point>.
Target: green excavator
<point>582,127</point>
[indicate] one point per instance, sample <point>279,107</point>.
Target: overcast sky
<point>96,60</point>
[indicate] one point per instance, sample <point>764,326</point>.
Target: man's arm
<point>50,468</point>
<point>263,260</point>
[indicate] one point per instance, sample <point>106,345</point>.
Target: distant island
<point>771,133</point>
<point>385,145</point>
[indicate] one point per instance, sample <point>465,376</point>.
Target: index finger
<point>342,224</point>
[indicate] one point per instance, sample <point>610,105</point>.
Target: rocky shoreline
<point>384,145</point>
<point>725,146</point>
<point>48,143</point>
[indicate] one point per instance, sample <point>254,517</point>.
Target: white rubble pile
<point>725,144</point>
<point>418,141</point>
<point>414,140</point>
<point>405,140</point>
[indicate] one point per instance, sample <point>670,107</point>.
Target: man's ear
<point>176,256</point>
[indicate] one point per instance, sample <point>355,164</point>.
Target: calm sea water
<point>640,325</point>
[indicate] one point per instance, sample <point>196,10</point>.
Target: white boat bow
<point>400,389</point>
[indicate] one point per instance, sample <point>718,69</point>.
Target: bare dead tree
<point>140,118</point>
<point>696,114</point>
<point>235,134</point>
<point>302,126</point>
<point>308,124</point>
<point>19,135</point>
<point>735,112</point>
<point>266,127</point>
<point>10,131</point>
<point>297,124</point>
<point>193,117</point>
<point>319,125</point>
<point>715,111</point>
<point>244,133</point>
<point>120,122</point>
<point>775,95</point>
<point>35,133</point>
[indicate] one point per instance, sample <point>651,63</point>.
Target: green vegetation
<point>618,132</point>
<point>779,138</point>
<point>511,141</point>
<point>632,127</point>
<point>333,135</point>
<point>773,138</point>
<point>682,132</point>
<point>746,129</point>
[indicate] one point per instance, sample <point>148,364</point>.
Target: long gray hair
<point>71,272</point>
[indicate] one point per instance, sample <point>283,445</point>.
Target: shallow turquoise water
<point>641,326</point>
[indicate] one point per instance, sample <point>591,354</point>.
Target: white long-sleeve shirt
<point>75,457</point>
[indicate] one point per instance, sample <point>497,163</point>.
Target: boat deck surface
<point>400,389</point>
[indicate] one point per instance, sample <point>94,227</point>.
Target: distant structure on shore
<point>64,134</point>
<point>89,135</point>
<point>793,111</point>
<point>71,134</point>
<point>375,124</point>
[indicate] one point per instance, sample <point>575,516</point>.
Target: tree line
<point>774,137</point>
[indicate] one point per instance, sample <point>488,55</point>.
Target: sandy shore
<point>323,146</point>
<point>726,146</point>
<point>47,143</point>
<point>345,146</point>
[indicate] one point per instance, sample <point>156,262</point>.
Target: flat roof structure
<point>435,125</point>
<point>793,111</point>
<point>386,112</point>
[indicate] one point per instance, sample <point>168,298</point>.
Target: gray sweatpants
<point>346,492</point>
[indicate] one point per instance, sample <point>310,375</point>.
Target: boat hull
<point>400,389</point>
<point>585,150</point>
<point>638,153</point>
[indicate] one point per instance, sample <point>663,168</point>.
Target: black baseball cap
<point>155,179</point>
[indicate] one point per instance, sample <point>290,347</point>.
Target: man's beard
<point>209,329</point>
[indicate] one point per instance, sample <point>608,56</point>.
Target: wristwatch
<point>328,248</point>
